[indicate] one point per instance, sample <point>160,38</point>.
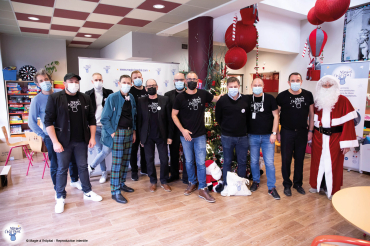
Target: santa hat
<point>327,78</point>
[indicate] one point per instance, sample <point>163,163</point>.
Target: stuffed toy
<point>213,176</point>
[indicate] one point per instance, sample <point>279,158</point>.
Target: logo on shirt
<point>154,107</point>
<point>74,105</point>
<point>257,106</point>
<point>297,102</point>
<point>194,103</point>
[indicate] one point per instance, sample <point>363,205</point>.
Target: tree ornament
<point>312,18</point>
<point>235,58</point>
<point>331,10</point>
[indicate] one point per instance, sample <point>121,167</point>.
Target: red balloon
<point>331,10</point>
<point>246,37</point>
<point>312,18</point>
<point>235,58</point>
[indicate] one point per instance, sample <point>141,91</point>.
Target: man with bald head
<point>154,122</point>
<point>263,122</point>
<point>179,82</point>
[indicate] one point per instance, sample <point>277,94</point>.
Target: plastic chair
<point>22,144</point>
<point>332,239</point>
<point>35,143</point>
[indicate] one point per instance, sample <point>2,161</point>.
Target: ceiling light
<point>158,6</point>
<point>88,35</point>
<point>33,18</point>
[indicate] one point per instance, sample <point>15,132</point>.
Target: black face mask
<point>152,91</point>
<point>192,85</point>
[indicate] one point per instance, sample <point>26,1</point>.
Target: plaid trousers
<point>121,153</point>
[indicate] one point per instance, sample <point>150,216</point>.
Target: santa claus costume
<point>334,130</point>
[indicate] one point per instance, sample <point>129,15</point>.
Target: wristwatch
<point>310,131</point>
<point>274,133</point>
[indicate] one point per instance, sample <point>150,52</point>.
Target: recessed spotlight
<point>158,6</point>
<point>88,35</point>
<point>33,18</point>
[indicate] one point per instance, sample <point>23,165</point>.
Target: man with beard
<point>333,137</point>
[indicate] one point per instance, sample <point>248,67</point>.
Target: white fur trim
<point>339,121</point>
<point>348,144</point>
<point>315,117</point>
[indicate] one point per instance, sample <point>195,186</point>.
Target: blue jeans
<point>262,141</point>
<point>240,144</point>
<point>73,171</point>
<point>196,146</point>
<point>101,150</point>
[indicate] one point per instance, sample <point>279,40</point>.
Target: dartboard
<point>27,72</point>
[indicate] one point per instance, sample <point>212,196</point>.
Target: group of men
<point>137,117</point>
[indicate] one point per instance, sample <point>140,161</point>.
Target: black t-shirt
<point>75,118</point>
<point>231,115</point>
<point>138,93</point>
<point>263,122</point>
<point>191,111</point>
<point>125,121</point>
<point>294,109</point>
<point>153,122</point>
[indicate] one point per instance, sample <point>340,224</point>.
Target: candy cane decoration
<point>304,49</point>
<point>234,27</point>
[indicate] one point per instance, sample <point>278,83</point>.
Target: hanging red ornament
<point>312,18</point>
<point>331,10</point>
<point>235,58</point>
<point>245,37</point>
<point>249,14</point>
<point>209,134</point>
<point>213,83</point>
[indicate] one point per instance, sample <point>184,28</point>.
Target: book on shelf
<point>15,129</point>
<point>12,84</point>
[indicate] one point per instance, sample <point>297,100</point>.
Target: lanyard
<point>263,99</point>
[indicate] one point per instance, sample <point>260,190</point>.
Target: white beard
<point>327,98</point>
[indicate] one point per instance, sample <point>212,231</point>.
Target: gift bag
<point>236,186</point>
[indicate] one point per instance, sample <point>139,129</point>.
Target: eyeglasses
<point>196,80</point>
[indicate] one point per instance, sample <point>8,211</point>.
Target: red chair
<point>22,144</point>
<point>339,239</point>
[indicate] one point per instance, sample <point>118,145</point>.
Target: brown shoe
<point>191,188</point>
<point>203,193</point>
<point>166,187</point>
<point>153,187</point>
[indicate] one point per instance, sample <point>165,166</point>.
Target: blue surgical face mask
<point>295,86</point>
<point>233,92</point>
<point>45,86</point>
<point>179,85</point>
<point>125,88</point>
<point>257,90</point>
<point>138,82</point>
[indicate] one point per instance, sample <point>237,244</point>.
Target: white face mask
<point>73,87</point>
<point>98,85</point>
<point>125,88</point>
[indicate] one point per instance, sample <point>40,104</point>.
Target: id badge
<point>253,115</point>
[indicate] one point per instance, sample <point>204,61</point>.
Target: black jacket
<point>164,118</point>
<point>57,115</point>
<point>91,94</point>
<point>172,96</point>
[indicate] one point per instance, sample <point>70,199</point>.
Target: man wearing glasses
<point>179,81</point>
<point>188,116</point>
<point>154,122</point>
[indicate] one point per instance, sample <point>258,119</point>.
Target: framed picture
<point>240,78</point>
<point>356,34</point>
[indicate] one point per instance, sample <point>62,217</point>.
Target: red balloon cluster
<point>245,39</point>
<point>327,11</point>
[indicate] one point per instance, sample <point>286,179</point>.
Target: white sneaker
<point>312,190</point>
<point>59,206</point>
<point>76,185</point>
<point>92,196</point>
<point>103,178</point>
<point>90,170</point>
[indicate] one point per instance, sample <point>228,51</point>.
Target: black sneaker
<point>287,191</point>
<point>300,190</point>
<point>254,186</point>
<point>134,176</point>
<point>273,192</point>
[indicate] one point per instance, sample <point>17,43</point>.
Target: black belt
<point>329,131</point>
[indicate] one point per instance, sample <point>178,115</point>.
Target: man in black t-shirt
<point>263,122</point>
<point>71,125</point>
<point>295,105</point>
<point>231,115</point>
<point>188,116</point>
<point>138,91</point>
<point>154,121</point>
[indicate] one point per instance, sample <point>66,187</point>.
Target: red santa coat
<point>326,157</point>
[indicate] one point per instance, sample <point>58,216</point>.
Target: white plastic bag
<point>236,186</point>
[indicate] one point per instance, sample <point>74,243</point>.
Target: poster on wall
<point>356,34</point>
<point>353,79</point>
<point>111,71</point>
